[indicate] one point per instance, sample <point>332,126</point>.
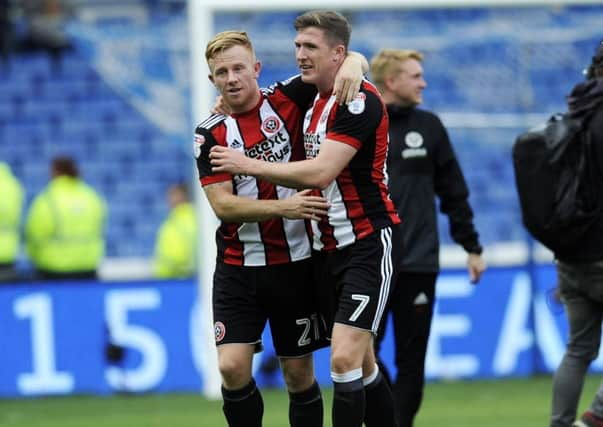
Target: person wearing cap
<point>65,226</point>
<point>11,206</point>
<point>580,277</point>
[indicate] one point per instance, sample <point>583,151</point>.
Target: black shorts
<point>355,282</point>
<point>245,297</point>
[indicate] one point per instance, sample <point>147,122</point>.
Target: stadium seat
<point>478,60</point>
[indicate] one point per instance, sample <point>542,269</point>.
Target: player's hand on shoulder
<point>348,80</point>
<point>220,107</point>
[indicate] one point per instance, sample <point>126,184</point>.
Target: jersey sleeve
<point>357,121</point>
<point>302,94</point>
<point>203,141</point>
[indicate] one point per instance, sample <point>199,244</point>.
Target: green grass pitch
<point>502,403</point>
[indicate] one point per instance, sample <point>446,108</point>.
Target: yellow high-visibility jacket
<point>11,209</point>
<point>176,244</point>
<point>65,226</point>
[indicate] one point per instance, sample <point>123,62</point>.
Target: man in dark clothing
<point>421,164</point>
<point>6,29</point>
<point>45,22</point>
<point>580,277</point>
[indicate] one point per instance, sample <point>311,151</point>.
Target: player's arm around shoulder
<point>311,173</point>
<point>232,208</point>
<point>333,157</point>
<point>349,77</point>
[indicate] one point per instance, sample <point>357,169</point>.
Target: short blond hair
<point>226,40</point>
<point>387,61</point>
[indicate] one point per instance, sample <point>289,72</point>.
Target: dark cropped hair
<point>336,27</point>
<point>65,166</point>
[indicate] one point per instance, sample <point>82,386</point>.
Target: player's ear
<point>257,67</point>
<point>339,53</point>
<point>389,81</point>
<point>211,78</point>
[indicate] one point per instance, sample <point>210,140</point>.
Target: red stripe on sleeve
<point>345,139</point>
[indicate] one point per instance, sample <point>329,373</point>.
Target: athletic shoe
<point>588,419</point>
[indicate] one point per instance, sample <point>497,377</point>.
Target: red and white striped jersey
<point>271,131</point>
<point>359,196</point>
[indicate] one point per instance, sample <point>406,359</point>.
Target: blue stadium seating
<point>478,60</point>
<point>69,110</point>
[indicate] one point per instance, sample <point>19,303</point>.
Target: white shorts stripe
<point>386,276</point>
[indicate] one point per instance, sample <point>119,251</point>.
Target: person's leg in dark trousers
<point>411,331</point>
<point>582,295</point>
<point>412,308</point>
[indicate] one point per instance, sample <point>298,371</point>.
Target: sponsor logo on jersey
<point>197,143</point>
<point>236,144</point>
<point>219,331</point>
<point>273,149</point>
<point>270,125</point>
<point>358,104</point>
<point>311,145</point>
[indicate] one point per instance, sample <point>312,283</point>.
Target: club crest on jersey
<point>413,139</point>
<point>358,104</point>
<point>197,143</point>
<point>270,124</point>
<point>219,331</point>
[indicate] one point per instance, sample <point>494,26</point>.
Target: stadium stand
<point>44,112</point>
<point>119,102</point>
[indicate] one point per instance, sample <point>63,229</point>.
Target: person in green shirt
<point>176,241</point>
<point>64,230</point>
<point>11,206</point>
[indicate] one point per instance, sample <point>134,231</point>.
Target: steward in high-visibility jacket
<point>65,226</point>
<point>11,207</point>
<point>176,241</point>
